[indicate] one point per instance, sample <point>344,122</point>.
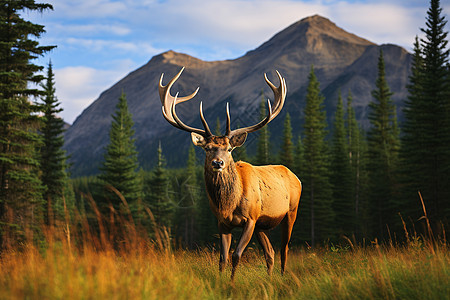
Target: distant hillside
<point>342,61</point>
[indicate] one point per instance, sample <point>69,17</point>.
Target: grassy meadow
<point>150,269</point>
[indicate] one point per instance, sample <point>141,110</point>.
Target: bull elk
<point>257,198</point>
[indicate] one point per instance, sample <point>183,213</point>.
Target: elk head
<point>217,148</point>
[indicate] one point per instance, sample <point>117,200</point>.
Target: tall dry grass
<point>80,262</point>
<point>411,272</point>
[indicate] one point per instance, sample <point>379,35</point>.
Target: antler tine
<point>205,124</point>
<point>164,91</point>
<point>279,93</point>
<point>180,124</point>
<point>168,105</point>
<point>254,127</point>
<point>228,129</point>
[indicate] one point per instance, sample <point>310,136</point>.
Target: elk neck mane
<point>223,187</point>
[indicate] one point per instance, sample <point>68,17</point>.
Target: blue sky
<point>101,41</point>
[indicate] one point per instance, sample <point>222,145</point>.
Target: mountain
<point>341,60</point>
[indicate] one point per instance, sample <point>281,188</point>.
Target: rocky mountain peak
<point>342,61</point>
<point>318,26</point>
<point>181,59</point>
<point>316,39</point>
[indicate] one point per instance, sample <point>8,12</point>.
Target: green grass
<point>415,271</point>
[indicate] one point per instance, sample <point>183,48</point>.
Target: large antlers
<point>279,94</point>
<point>168,108</point>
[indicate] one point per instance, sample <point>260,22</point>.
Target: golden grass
<point>92,264</point>
<point>410,272</point>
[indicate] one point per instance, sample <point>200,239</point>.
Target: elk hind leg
<point>286,230</point>
<point>269,254</point>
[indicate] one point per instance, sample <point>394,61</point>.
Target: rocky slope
<point>341,60</point>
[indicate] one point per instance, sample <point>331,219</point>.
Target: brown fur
<point>222,189</point>
<point>257,198</point>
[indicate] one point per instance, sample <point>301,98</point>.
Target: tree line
<point>357,183</point>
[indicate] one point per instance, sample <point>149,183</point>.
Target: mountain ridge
<point>341,61</point>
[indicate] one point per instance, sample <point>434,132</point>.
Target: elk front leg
<point>225,244</point>
<point>243,242</point>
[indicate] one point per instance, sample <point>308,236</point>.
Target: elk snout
<point>217,164</point>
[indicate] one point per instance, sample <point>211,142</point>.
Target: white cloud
<point>91,29</point>
<point>236,23</point>
<point>80,9</point>
<point>99,45</point>
<point>240,25</point>
<point>245,24</point>
<point>382,22</point>
<point>130,30</point>
<point>77,87</point>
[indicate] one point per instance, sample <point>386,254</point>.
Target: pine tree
<point>341,176</point>
<point>263,149</point>
<point>299,158</point>
<point>353,149</point>
<point>287,148</point>
<point>120,165</point>
<point>53,157</point>
<point>159,200</point>
<point>21,202</point>
<point>317,192</point>
<point>189,207</point>
<point>299,234</point>
<point>357,150</point>
<point>425,152</point>
<point>383,153</point>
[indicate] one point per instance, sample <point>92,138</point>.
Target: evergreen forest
<point>358,185</point>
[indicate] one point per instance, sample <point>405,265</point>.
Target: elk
<point>257,198</point>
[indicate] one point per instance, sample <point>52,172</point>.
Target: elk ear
<point>238,140</point>
<point>198,139</point>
